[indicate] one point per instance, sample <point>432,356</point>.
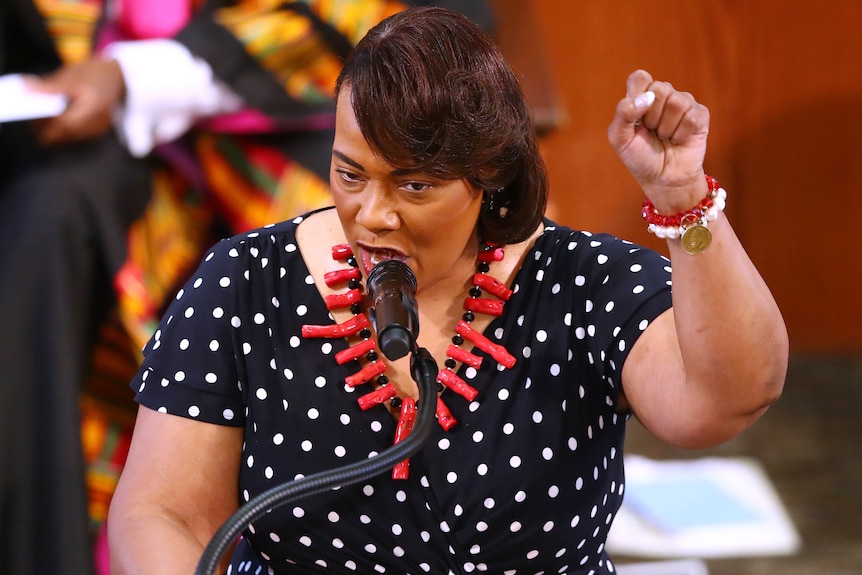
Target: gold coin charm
<point>696,238</point>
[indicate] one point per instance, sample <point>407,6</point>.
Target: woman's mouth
<point>371,257</point>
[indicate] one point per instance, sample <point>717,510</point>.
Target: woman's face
<point>386,212</point>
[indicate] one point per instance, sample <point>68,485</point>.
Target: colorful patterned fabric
<point>71,24</point>
<point>287,44</point>
<point>106,445</point>
<point>354,18</point>
<point>107,417</point>
<point>247,185</point>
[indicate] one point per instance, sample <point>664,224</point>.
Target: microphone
<point>392,288</point>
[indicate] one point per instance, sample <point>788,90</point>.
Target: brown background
<point>783,81</point>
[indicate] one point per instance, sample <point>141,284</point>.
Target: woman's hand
<point>660,134</point>
<point>94,89</point>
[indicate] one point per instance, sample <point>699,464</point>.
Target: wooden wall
<point>783,81</point>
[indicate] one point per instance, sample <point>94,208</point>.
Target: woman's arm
<point>178,487</point>
<point>710,366</point>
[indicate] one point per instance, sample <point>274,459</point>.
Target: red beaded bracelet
<point>691,225</point>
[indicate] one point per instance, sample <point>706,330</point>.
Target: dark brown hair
<point>431,92</point>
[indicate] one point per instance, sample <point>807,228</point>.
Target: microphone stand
<point>423,368</point>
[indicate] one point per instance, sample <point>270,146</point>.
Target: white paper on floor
<point>705,508</point>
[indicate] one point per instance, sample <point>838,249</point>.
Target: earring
<point>499,210</point>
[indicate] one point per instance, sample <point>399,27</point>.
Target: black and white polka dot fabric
<point>527,482</point>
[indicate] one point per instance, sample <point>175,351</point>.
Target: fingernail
<point>645,100</point>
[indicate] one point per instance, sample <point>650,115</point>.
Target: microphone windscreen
<point>392,288</point>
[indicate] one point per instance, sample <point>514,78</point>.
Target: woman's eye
<point>416,187</point>
<point>349,177</point>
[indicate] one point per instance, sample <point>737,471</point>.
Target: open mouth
<point>372,257</point>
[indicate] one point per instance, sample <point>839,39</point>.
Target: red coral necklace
<point>374,369</point>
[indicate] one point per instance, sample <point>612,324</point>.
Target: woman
<point>247,385</point>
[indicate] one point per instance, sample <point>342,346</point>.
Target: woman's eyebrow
<point>348,160</point>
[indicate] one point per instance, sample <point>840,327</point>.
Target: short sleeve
<point>189,366</point>
<point>625,287</point>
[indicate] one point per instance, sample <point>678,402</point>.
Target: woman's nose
<point>378,210</point>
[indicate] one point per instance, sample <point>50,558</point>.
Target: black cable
<point>424,370</point>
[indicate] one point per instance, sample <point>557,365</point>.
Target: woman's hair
<point>431,92</point>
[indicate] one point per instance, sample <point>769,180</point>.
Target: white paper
<point>760,527</point>
<point>17,102</point>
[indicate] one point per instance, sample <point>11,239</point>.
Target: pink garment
<point>142,20</point>
<point>251,121</point>
<point>101,559</point>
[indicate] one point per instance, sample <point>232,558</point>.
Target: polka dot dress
<point>527,482</point>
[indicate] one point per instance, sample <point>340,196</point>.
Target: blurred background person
<point>185,120</point>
